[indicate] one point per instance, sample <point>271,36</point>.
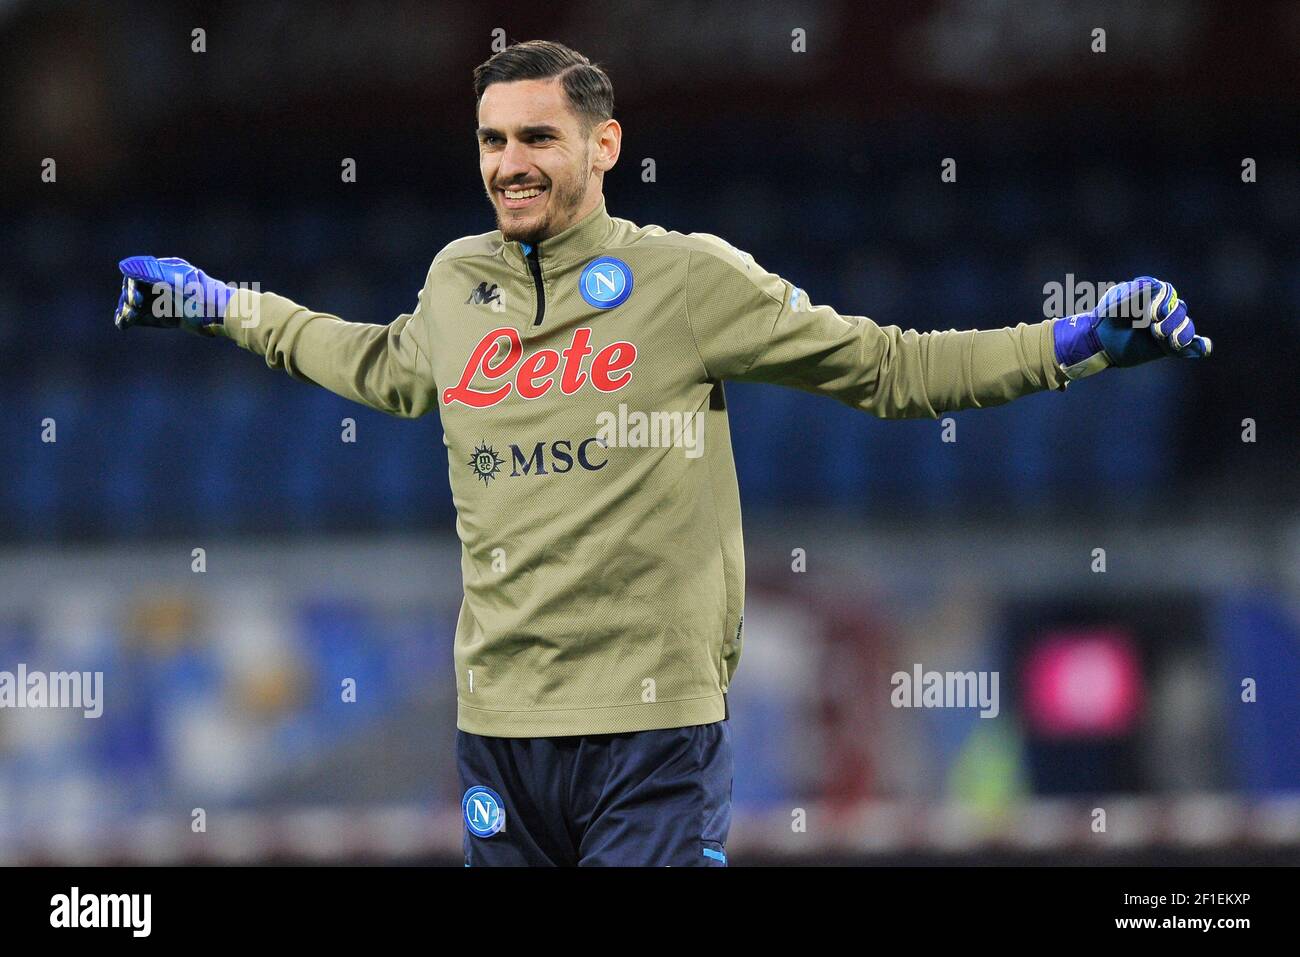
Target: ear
<point>607,138</point>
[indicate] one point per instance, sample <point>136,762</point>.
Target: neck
<point>590,203</point>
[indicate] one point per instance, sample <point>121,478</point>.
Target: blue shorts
<point>646,798</point>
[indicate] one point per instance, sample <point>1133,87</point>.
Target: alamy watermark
<point>651,430</point>
<point>1076,296</point>
<point>82,690</point>
<point>190,300</point>
<point>946,689</point>
<point>74,909</point>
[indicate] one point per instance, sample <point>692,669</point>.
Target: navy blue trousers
<point>646,798</point>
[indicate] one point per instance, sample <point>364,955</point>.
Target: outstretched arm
<point>386,367</point>
<point>752,325</point>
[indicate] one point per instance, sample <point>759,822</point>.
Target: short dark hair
<point>590,93</point>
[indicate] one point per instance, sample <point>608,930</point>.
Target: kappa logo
<point>483,294</point>
<point>605,282</point>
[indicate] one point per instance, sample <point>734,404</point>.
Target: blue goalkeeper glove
<point>1134,322</point>
<point>166,293</point>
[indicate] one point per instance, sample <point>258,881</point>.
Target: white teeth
<point>522,193</point>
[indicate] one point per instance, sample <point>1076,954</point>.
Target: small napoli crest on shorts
<point>605,282</point>
<point>485,812</point>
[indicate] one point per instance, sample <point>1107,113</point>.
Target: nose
<point>514,163</point>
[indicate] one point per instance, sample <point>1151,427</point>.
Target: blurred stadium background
<point>328,560</point>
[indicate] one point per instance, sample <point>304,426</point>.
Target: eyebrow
<point>523,130</point>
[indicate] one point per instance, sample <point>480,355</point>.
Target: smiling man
<point>543,156</point>
<point>604,581</point>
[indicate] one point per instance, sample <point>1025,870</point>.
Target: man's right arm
<point>386,367</point>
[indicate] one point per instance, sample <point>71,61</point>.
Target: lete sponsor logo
<point>532,377</point>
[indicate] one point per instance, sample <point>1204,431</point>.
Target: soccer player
<point>577,361</point>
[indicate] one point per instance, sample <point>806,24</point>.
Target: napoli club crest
<point>485,812</point>
<point>605,282</point>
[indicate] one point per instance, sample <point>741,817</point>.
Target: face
<point>541,172</point>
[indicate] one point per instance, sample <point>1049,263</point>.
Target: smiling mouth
<point>522,198</point>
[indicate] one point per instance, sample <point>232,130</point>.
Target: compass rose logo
<point>485,463</point>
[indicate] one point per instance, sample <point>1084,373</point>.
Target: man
<point>577,362</point>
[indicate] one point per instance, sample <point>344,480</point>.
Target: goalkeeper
<point>604,582</point>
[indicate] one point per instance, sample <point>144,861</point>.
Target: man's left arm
<point>752,325</point>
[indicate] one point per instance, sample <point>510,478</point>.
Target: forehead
<point>524,103</point>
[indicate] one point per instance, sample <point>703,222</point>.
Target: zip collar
<point>580,240</point>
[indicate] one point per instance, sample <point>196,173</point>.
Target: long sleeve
<point>386,367</point>
<point>752,325</point>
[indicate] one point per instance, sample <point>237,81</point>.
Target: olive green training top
<point>579,384</point>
